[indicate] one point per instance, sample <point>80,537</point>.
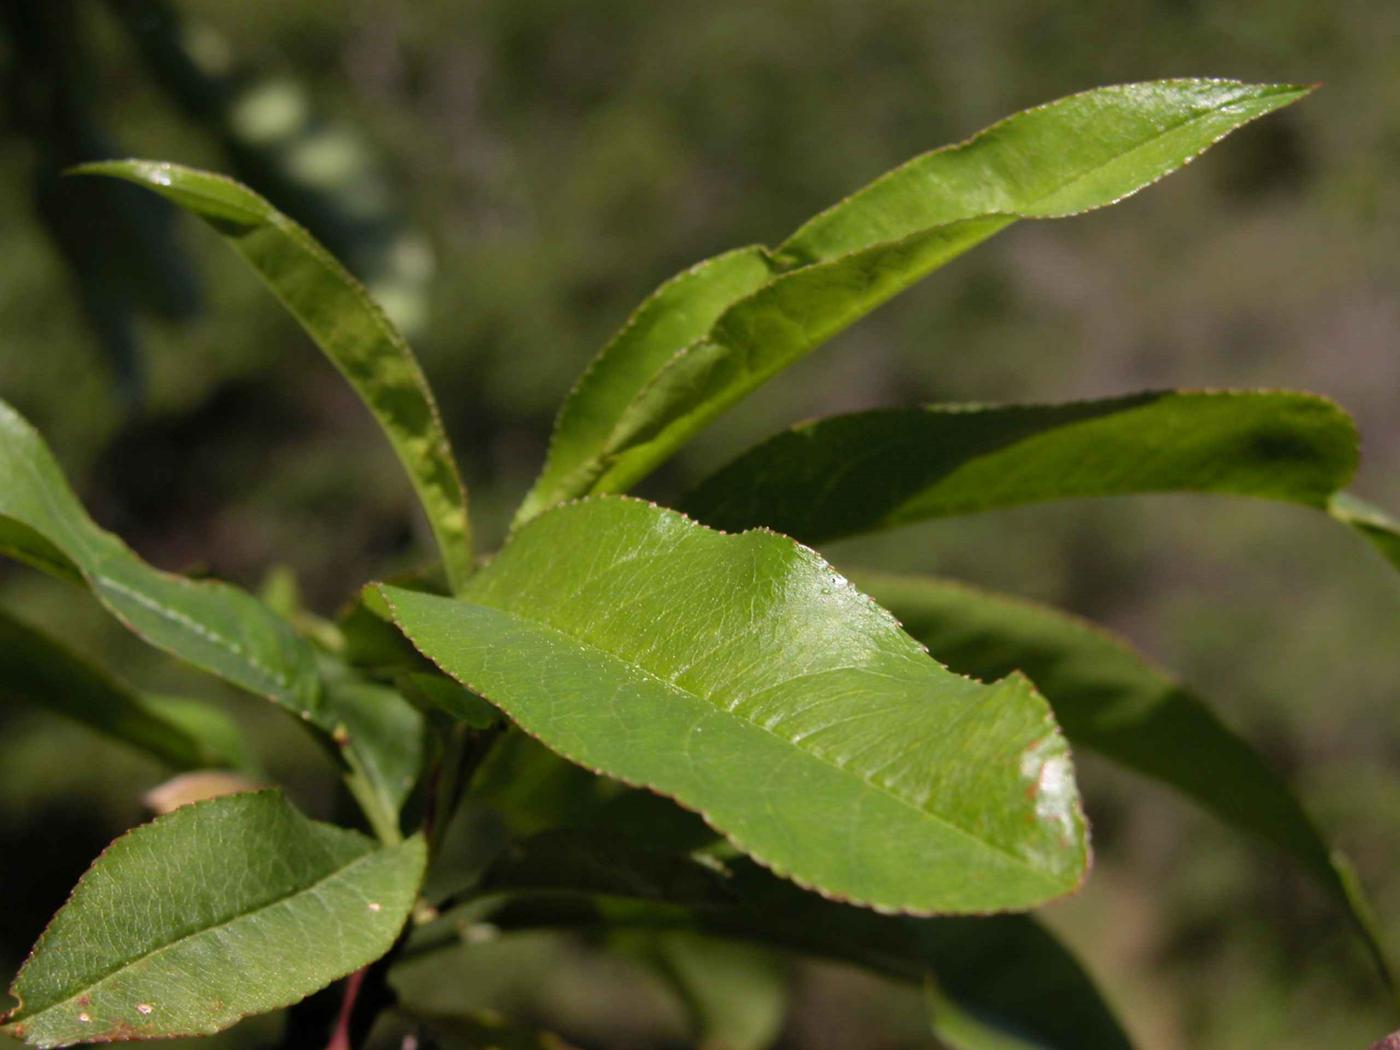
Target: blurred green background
<point>512,176</point>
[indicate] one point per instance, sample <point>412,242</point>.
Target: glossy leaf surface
<point>872,470</point>
<point>218,910</point>
<point>1072,155</point>
<point>1111,699</point>
<point>40,671</point>
<point>743,677</point>
<point>336,311</point>
<point>1078,153</point>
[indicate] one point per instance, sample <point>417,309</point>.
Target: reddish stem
<point>340,1036</point>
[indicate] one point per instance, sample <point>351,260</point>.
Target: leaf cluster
<point>681,729</point>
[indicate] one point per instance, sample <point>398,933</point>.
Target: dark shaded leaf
<point>38,670</point>
<point>1109,698</point>
<point>1008,971</point>
<point>850,474</point>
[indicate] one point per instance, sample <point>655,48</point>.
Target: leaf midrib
<point>608,655</point>
<point>1011,215</point>
<point>127,964</point>
<point>826,216</point>
<point>88,537</point>
<point>1163,133</point>
<point>613,448</point>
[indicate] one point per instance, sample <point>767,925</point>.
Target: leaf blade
<point>766,332</point>
<point>581,630</point>
<point>210,624</point>
<point>1008,969</point>
<point>1112,700</point>
<point>850,474</point>
<point>40,671</point>
<point>1378,527</point>
<point>218,910</point>
<point>677,313</point>
<point>1075,154</point>
<point>342,319</point>
<point>1126,137</point>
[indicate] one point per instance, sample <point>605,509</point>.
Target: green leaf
<point>1007,970</point>
<point>873,470</point>
<point>214,626</point>
<point>1062,158</point>
<point>1079,153</point>
<point>201,719</point>
<point>1375,524</point>
<point>38,670</point>
<point>482,1030</point>
<point>735,995</point>
<point>432,691</point>
<point>961,1029</point>
<point>606,864</point>
<point>1111,699</point>
<point>636,643</point>
<point>218,910</point>
<point>675,315</point>
<point>382,740</point>
<point>761,335</point>
<point>351,329</point>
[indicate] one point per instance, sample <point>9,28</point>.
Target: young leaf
<point>40,671</point>
<point>1072,155</point>
<point>743,677</point>
<point>1062,158</point>
<point>337,312</point>
<point>218,910</point>
<point>1109,698</point>
<point>1006,969</point>
<point>675,315</point>
<point>873,470</point>
<point>214,626</point>
<point>761,335</point>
